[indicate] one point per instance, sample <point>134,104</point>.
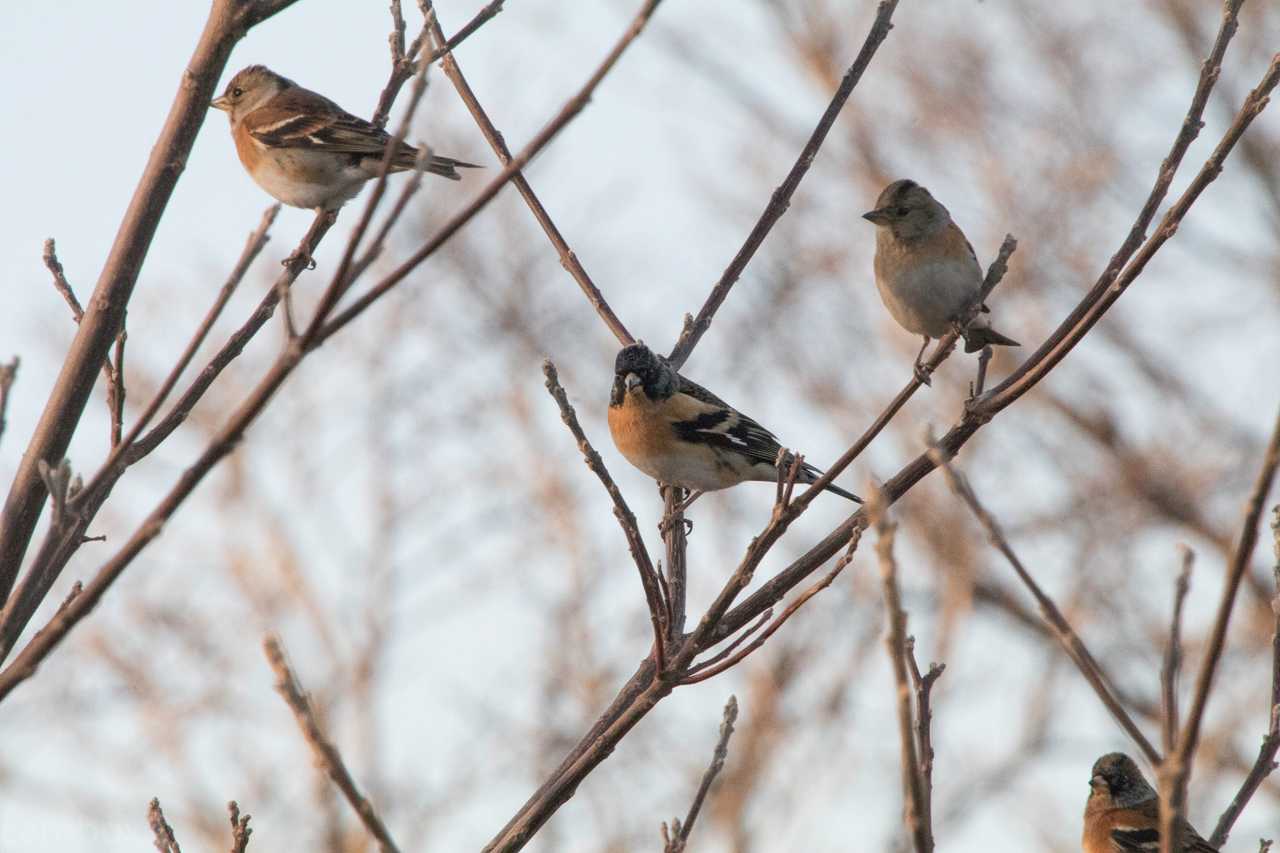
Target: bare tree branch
<point>1066,635</point>
<point>626,518</point>
<point>240,830</point>
<point>164,839</point>
<point>915,806</point>
<point>8,375</point>
<point>326,754</point>
<point>227,23</point>
<point>674,842</point>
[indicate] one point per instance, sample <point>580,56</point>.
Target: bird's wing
<point>700,417</point>
<point>299,118</point>
<point>1148,840</point>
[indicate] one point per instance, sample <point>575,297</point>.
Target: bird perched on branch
<point>306,150</point>
<point>679,433</point>
<point>927,272</point>
<point>1122,814</point>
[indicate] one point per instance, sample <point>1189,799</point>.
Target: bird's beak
<point>221,103</point>
<point>879,217</point>
<point>632,382</point>
<point>1097,782</point>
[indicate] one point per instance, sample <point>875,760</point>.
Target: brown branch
<point>227,437</point>
<point>8,375</point>
<point>405,63</point>
<point>675,841</point>
<point>60,544</point>
<point>723,661</point>
<point>626,518</point>
<point>1071,642</point>
<point>923,685</point>
<point>895,641</point>
<point>568,259</point>
<point>781,198</point>
<point>227,23</point>
<point>1266,763</point>
<point>571,109</point>
<point>641,692</point>
<point>1239,564</point>
<point>1132,256</point>
<point>325,753</point>
<point>164,838</point>
<point>1173,653</point>
<point>60,283</point>
<point>240,829</point>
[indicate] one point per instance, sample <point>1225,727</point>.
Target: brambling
<point>304,149</point>
<point>681,434</point>
<point>926,271</point>
<point>1122,814</point>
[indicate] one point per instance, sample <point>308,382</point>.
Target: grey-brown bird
<point>1122,814</point>
<point>304,149</point>
<point>926,271</point>
<point>679,433</point>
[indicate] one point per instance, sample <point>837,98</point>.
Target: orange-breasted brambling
<point>1122,814</point>
<point>681,434</point>
<point>926,271</point>
<point>306,150</point>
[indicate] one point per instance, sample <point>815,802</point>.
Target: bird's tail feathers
<point>810,474</point>
<point>978,336</point>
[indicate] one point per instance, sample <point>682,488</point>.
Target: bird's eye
<point>901,211</point>
<point>237,92</point>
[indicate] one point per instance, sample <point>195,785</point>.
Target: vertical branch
<point>674,537</point>
<point>8,374</point>
<point>1266,763</point>
<point>1180,770</point>
<point>1173,653</point>
<point>914,804</point>
<point>923,685</point>
<point>165,841</point>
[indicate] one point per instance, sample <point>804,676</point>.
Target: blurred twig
<point>326,754</point>
<point>165,841</point>
<point>674,841</point>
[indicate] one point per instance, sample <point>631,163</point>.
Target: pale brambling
<point>1122,814</point>
<point>681,434</point>
<point>926,271</point>
<point>303,148</point>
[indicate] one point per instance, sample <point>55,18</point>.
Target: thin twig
<point>675,841</point>
<point>568,259</point>
<point>1137,249</point>
<point>8,375</point>
<point>781,198</point>
<point>923,685</point>
<point>326,754</point>
<point>1173,653</point>
<point>626,518</point>
<point>164,839</point>
<point>895,641</point>
<point>1240,557</point>
<point>1065,634</point>
<point>240,829</point>
<point>1266,762</point>
<point>727,660</point>
<point>60,283</point>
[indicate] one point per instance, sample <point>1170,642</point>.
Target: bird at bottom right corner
<point>927,272</point>
<point>1122,814</point>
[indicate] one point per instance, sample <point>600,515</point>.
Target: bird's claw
<point>922,372</point>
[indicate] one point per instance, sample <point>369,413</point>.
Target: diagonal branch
<point>1190,737</point>
<point>1071,642</point>
<point>675,841</point>
<point>781,198</point>
<point>326,754</point>
<point>626,518</point>
<point>568,259</point>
